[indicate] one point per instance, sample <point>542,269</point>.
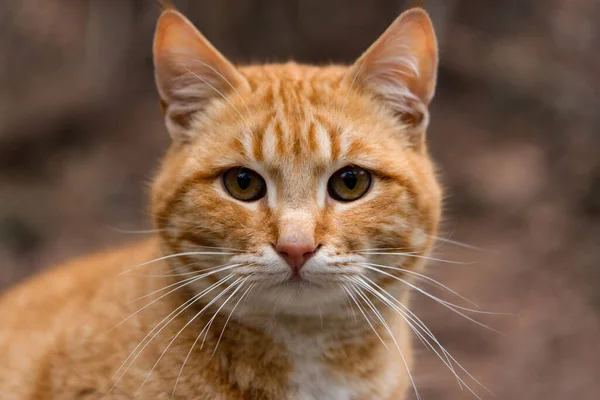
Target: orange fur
<point>295,125</point>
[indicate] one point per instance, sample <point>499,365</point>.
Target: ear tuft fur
<point>189,71</point>
<point>400,68</point>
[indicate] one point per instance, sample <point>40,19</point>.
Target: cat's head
<point>292,178</point>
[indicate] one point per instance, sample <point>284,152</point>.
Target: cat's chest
<point>312,377</point>
<point>312,380</point>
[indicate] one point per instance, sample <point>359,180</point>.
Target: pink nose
<point>296,254</point>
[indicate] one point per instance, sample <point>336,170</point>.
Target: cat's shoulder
<point>53,316</point>
<point>69,282</point>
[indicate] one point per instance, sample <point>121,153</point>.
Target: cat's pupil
<point>243,180</point>
<point>349,179</point>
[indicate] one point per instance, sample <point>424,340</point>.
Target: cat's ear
<point>189,71</point>
<point>400,68</point>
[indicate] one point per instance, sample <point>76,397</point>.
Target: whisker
<point>351,306</point>
<point>365,315</point>
<point>209,324</point>
<point>197,246</point>
<point>457,243</point>
<point>423,326</point>
<point>230,314</point>
<point>385,249</point>
<point>161,297</point>
<point>185,326</point>
<point>426,278</point>
<point>134,231</point>
<point>253,285</point>
<point>169,275</point>
<point>218,341</point>
<point>442,302</point>
<point>188,253</point>
<point>415,256</point>
<point>421,338</point>
<point>183,267</point>
<point>213,270</point>
<point>389,331</point>
<point>409,316</point>
<point>320,314</point>
<point>177,312</point>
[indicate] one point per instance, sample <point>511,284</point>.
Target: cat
<point>293,209</point>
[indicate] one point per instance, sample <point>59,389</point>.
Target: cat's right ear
<point>189,72</point>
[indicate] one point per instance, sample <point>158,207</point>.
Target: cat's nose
<point>296,254</point>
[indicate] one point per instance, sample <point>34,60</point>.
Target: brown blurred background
<point>515,129</point>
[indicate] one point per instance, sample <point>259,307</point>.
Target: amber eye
<point>244,184</point>
<point>349,183</point>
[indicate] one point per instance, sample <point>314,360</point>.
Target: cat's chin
<point>299,297</point>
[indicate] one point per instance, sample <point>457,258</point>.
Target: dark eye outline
<point>331,189</point>
<point>256,175</point>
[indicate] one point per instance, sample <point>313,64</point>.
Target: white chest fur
<point>311,378</point>
<point>315,378</point>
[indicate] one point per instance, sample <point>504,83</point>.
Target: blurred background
<point>515,130</point>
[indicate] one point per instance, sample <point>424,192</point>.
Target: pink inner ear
<point>401,66</point>
<point>189,70</point>
<point>182,54</point>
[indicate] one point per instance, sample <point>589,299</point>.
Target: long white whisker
<point>217,297</point>
<point>413,317</point>
<point>421,325</point>
<point>389,331</point>
<point>183,267</point>
<point>406,315</point>
<point>351,306</point>
<point>421,338</point>
<point>253,285</point>
<point>230,314</point>
<point>198,337</point>
<point>187,281</point>
<point>408,271</point>
<point>188,253</point>
<point>457,243</point>
<point>387,249</point>
<point>441,301</point>
<point>365,315</point>
<point>134,231</point>
<point>200,334</point>
<point>412,255</point>
<point>446,304</point>
<point>197,278</point>
<point>196,246</point>
<point>210,322</point>
<point>177,312</point>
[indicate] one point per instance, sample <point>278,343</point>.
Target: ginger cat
<point>292,211</point>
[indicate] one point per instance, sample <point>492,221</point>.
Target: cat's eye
<point>349,183</point>
<point>244,184</point>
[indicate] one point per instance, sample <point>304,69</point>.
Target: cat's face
<point>291,177</point>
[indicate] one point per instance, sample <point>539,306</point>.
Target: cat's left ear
<point>400,68</point>
<point>189,72</point>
